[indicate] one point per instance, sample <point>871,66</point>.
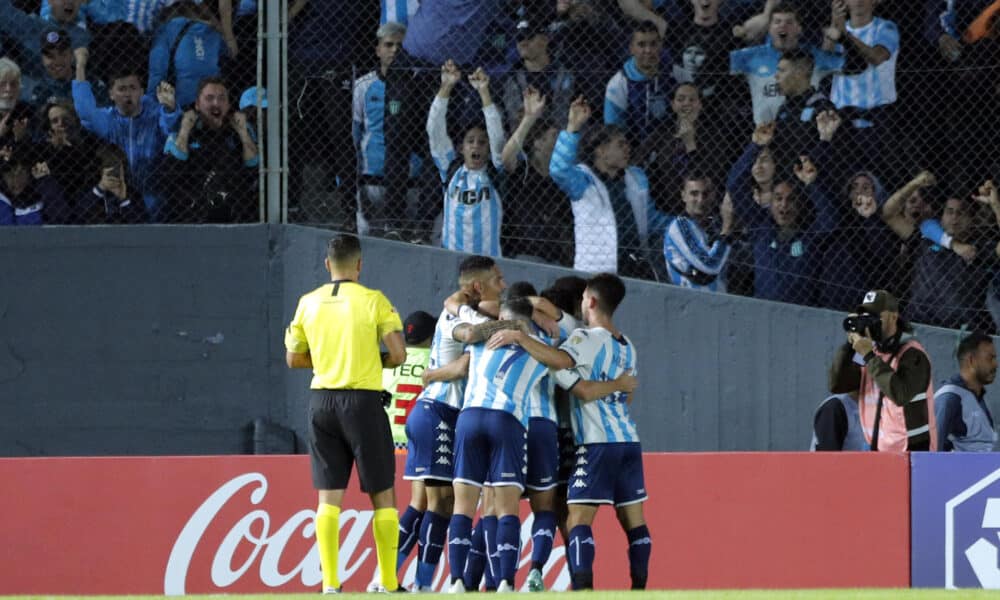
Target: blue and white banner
<point>955,516</point>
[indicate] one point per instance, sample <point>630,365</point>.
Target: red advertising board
<point>234,524</point>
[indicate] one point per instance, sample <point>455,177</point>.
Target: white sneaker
<point>504,587</point>
<point>375,586</point>
<point>331,590</point>
<point>457,587</point>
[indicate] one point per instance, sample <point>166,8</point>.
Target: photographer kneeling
<point>896,390</point>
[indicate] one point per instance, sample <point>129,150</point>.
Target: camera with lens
<point>865,321</point>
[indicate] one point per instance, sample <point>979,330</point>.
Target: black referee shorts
<point>348,426</point>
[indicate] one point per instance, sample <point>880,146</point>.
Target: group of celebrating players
<point>525,394</point>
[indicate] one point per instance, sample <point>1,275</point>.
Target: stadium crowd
<point>803,152</point>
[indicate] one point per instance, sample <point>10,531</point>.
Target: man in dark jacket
<point>211,163</point>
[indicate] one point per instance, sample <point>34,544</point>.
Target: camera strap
<point>878,421</point>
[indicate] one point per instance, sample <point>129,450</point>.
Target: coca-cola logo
<point>266,546</point>
<point>253,542</point>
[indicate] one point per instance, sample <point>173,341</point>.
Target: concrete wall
<point>168,340</point>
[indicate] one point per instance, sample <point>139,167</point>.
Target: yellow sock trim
<point>385,528</point>
<point>328,540</point>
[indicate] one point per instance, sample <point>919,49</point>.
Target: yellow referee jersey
<point>341,324</point>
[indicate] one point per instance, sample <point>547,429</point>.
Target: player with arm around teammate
<point>608,469</point>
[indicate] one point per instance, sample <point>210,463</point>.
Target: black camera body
<point>865,321</point>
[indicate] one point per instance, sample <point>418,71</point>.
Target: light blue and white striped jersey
<point>445,349</point>
<point>567,325</point>
<point>760,66</point>
<point>503,379</point>
<point>691,260</point>
<point>542,403</point>
<point>368,116</point>
<point>473,208</point>
<point>876,85</point>
<point>398,11</point>
<point>599,356</point>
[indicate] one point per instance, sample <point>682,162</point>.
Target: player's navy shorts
<point>347,427</point>
<point>607,474</point>
<point>567,454</point>
<point>543,454</point>
<point>430,441</point>
<point>490,448</point>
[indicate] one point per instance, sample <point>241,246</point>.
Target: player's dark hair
<point>519,307</point>
<point>573,284</point>
<point>519,289</point>
<point>342,248</point>
<point>971,343</point>
<point>474,264</point>
<point>562,299</point>
<point>609,289</point>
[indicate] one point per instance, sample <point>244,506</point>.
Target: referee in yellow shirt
<point>336,332</point>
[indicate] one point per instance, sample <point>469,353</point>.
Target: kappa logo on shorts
<point>579,483</point>
<point>580,473</point>
<point>443,426</point>
<point>444,437</point>
<point>581,450</point>
<point>582,461</point>
<point>444,449</point>
<point>641,491</point>
<point>443,461</point>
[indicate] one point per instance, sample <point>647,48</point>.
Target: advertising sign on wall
<point>956,520</point>
<point>240,524</point>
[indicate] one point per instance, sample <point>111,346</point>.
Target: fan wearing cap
<point>537,69</point>
<point>893,373</point>
<point>56,80</point>
<point>26,30</point>
<point>249,105</point>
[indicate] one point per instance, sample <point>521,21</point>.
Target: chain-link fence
<point>802,153</point>
<point>128,112</point>
<point>884,131</point>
